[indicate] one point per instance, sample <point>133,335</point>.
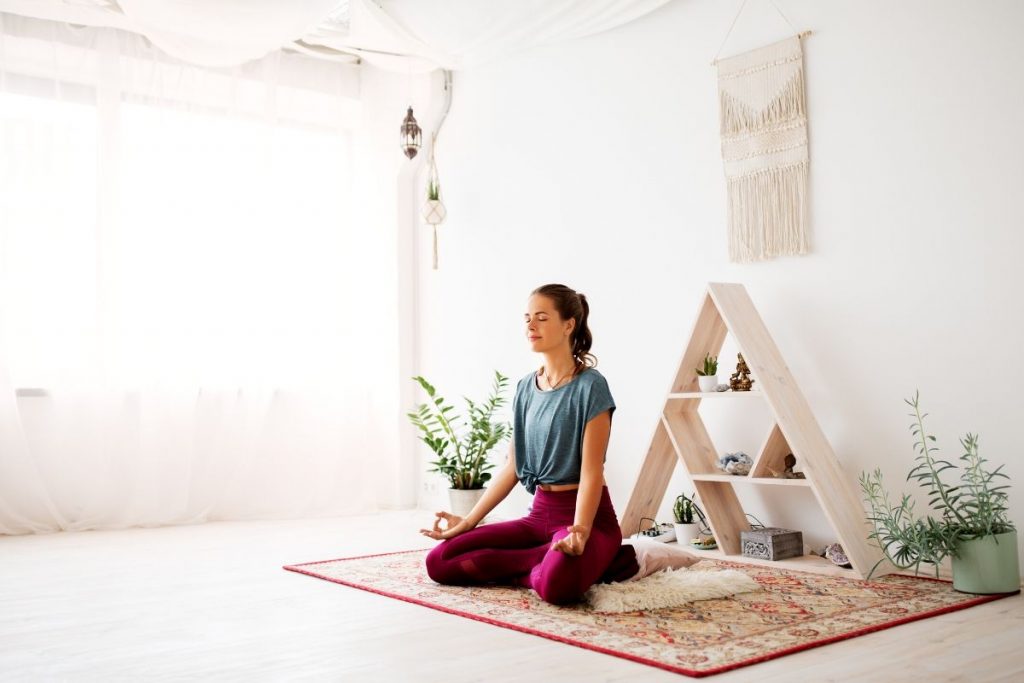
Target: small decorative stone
<point>835,554</point>
<point>738,463</point>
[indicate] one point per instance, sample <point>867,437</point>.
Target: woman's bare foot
<point>655,556</point>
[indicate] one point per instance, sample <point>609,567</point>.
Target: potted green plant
<point>434,212</point>
<point>462,451</point>
<point>686,525</point>
<point>969,523</point>
<point>707,376</point>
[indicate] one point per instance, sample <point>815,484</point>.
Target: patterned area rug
<point>795,611</point>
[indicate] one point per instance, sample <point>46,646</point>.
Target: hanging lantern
<point>411,135</point>
<point>433,210</point>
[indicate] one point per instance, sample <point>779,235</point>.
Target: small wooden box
<point>772,543</point>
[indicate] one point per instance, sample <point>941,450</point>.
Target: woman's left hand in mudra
<point>574,543</point>
<point>456,526</point>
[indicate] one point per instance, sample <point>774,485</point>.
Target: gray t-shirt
<point>549,425</point>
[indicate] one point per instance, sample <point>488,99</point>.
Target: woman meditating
<point>562,418</point>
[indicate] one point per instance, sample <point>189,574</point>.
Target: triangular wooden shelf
<point>680,437</point>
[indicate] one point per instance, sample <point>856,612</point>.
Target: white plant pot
<point>463,500</point>
<point>686,532</point>
<point>434,212</point>
<point>707,383</point>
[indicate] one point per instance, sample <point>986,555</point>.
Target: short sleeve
<point>517,396</point>
<point>599,400</point>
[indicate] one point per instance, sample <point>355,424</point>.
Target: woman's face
<point>545,329</point>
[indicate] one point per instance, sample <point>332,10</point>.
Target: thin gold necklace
<point>553,385</point>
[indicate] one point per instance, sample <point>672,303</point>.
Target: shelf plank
<point>732,478</point>
<point>713,394</point>
<point>804,563</point>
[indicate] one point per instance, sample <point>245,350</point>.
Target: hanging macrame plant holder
<point>433,210</point>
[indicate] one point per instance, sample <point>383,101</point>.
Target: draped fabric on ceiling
<point>462,34</point>
<point>399,35</point>
<point>180,286</point>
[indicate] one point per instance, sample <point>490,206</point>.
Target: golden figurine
<point>740,380</point>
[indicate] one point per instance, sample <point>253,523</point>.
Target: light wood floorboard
<point>211,602</point>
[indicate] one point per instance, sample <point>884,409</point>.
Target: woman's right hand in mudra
<point>455,525</point>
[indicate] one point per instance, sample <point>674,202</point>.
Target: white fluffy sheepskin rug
<point>668,588</point>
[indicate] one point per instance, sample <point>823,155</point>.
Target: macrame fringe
<point>435,246</point>
<point>736,117</point>
<point>767,213</point>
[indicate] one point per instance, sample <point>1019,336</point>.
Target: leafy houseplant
<point>969,524</point>
<point>433,191</point>
<point>462,458</point>
<point>707,376</point>
<point>686,526</point>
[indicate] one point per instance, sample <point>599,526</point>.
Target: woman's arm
<point>595,443</point>
<point>500,486</point>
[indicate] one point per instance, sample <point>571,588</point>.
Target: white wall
<point>596,164</point>
<point>387,319</point>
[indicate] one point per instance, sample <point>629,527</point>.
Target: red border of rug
<point>649,662</point>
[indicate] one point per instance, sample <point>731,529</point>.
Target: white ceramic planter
<point>463,500</point>
<point>434,212</point>
<point>707,383</point>
<point>686,532</point>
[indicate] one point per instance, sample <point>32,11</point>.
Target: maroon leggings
<point>518,552</point>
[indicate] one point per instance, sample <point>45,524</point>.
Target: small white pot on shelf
<point>686,532</point>
<point>707,382</point>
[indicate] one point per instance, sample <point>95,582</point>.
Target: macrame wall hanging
<point>763,124</point>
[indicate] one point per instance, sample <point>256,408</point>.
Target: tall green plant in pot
<point>462,449</point>
<point>969,523</point>
<point>686,514</point>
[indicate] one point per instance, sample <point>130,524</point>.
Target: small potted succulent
<point>969,521</point>
<point>462,458</point>
<point>434,212</point>
<point>686,525</point>
<point>707,376</point>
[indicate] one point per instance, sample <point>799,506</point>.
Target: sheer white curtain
<point>184,306</point>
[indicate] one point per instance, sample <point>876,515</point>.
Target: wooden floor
<point>212,602</point>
